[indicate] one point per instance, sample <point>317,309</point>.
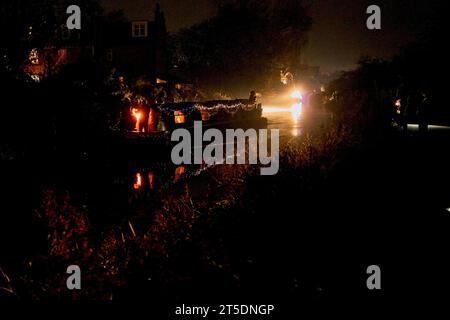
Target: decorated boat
<point>218,113</point>
<point>146,120</point>
<point>153,125</point>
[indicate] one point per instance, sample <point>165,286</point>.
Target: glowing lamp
<point>296,111</point>
<point>296,95</point>
<point>179,117</point>
<point>138,182</point>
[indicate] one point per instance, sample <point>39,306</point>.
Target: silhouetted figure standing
<point>412,108</point>
<point>152,116</point>
<point>400,111</point>
<point>252,99</point>
<point>144,109</point>
<point>422,113</point>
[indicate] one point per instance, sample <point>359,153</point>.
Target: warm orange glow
<point>275,109</point>
<point>151,179</point>
<point>137,115</point>
<point>138,182</point>
<point>205,115</point>
<point>151,121</point>
<point>33,56</point>
<point>179,171</point>
<point>151,115</point>
<point>398,104</point>
<point>179,117</point>
<point>295,110</point>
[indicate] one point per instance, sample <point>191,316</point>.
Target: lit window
<point>139,29</point>
<point>179,117</point>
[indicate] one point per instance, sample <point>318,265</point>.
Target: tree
<point>246,43</point>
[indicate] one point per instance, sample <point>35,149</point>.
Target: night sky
<point>179,13</point>
<point>339,35</point>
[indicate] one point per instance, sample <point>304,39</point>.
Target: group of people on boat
<point>143,114</point>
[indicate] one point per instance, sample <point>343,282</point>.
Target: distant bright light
<point>448,209</point>
<point>275,109</point>
<point>296,111</point>
<point>296,95</point>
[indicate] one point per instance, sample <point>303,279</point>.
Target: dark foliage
<point>244,45</point>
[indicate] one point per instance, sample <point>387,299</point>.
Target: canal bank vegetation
<point>204,232</point>
<point>189,236</point>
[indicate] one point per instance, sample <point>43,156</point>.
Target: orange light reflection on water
<point>295,110</point>
<point>179,171</point>
<point>138,181</point>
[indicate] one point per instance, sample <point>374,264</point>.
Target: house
<point>135,48</point>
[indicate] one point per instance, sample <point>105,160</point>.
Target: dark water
<point>294,121</point>
<point>108,190</point>
<point>109,187</point>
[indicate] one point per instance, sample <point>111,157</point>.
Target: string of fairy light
<point>212,110</point>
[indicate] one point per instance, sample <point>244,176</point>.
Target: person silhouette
<point>252,99</point>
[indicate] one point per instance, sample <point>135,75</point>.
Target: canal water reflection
<point>294,121</point>
<point>116,187</point>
